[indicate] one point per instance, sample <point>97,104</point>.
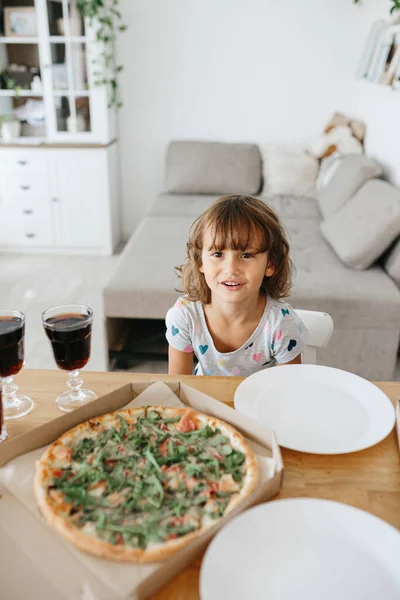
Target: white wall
<point>379,107</point>
<point>251,70</point>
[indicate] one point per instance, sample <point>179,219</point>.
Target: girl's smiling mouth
<point>232,285</point>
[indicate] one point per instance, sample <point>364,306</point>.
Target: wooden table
<point>369,480</point>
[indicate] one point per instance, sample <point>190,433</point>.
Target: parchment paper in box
<point>100,579</point>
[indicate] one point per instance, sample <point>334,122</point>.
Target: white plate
<point>317,409</point>
<point>303,549</point>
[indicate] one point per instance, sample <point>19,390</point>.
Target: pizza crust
<point>56,513</point>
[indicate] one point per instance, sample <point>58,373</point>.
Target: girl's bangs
<point>236,232</point>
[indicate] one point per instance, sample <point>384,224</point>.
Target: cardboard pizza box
<point>398,422</point>
<point>50,563</point>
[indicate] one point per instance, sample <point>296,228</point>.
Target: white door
<point>81,198</point>
<point>2,221</point>
<point>3,171</point>
<point>76,108</point>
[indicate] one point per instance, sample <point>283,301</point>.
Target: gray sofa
<point>364,304</point>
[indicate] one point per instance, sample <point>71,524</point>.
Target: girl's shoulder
<point>185,308</point>
<point>278,309</point>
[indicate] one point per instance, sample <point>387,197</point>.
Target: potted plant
<point>10,127</point>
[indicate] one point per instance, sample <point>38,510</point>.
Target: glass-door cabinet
<point>60,100</point>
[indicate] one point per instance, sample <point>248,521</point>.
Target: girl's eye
<point>217,254</point>
<point>247,255</point>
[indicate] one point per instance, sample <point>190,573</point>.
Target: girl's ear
<point>201,268</point>
<point>270,270</point>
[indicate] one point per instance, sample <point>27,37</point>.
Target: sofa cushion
<point>354,299</point>
<point>288,170</point>
<point>349,176</point>
<point>180,205</point>
<point>366,225</point>
<point>391,263</point>
<point>327,169</point>
<point>195,167</point>
<point>293,206</point>
<point>144,281</point>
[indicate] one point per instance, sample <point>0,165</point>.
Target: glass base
<point>3,433</point>
<point>70,400</point>
<point>19,407</point>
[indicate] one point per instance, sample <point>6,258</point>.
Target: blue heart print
<point>284,311</point>
<point>292,344</point>
<point>208,372</point>
<point>175,330</point>
<point>203,349</point>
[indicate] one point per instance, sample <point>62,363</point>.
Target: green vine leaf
<point>106,19</point>
<point>395,5</point>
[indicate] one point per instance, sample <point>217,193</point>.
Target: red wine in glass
<point>3,430</point>
<point>12,335</point>
<point>70,336</point>
<point>69,329</point>
<point>12,330</point>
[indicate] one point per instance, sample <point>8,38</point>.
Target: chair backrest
<point>320,328</point>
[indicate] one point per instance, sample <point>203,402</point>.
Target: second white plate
<point>302,549</point>
<point>317,409</point>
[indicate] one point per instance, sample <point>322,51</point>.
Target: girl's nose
<point>231,266</point>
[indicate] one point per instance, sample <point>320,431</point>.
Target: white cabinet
<point>61,200</point>
<point>57,72</point>
<point>58,191</point>
<point>81,198</point>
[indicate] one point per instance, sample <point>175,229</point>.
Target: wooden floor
<point>33,283</point>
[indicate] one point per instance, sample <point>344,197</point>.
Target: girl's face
<point>234,275</point>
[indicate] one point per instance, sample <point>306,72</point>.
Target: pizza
<point>139,484</point>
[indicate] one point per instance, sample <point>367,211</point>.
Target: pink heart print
<point>278,335</point>
<point>178,304</point>
<point>188,349</point>
<point>257,357</point>
<point>236,371</point>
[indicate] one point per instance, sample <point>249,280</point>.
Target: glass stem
<point>10,389</point>
<point>75,383</point>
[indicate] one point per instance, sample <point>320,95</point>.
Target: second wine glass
<point>69,329</point>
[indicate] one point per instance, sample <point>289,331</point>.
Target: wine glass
<point>69,329</point>
<point>3,429</point>
<point>12,335</point>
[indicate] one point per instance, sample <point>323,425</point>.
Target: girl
<point>232,318</point>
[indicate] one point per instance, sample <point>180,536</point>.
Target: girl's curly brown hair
<point>234,221</point>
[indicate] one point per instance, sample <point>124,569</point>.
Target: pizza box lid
<point>398,422</point>
<point>94,578</point>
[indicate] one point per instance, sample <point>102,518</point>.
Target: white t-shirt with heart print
<point>279,337</point>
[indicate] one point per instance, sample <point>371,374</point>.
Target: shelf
<point>19,40</point>
<point>81,93</point>
<point>22,93</point>
<point>62,39</point>
<point>56,93</point>
<point>55,39</point>
<point>377,85</point>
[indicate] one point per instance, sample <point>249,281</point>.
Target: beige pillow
<point>366,225</point>
<point>351,173</point>
<point>288,170</point>
<point>392,262</point>
<point>200,167</point>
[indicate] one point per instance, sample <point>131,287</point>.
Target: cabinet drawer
<point>27,184</point>
<point>37,233</point>
<point>27,211</point>
<point>23,161</point>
